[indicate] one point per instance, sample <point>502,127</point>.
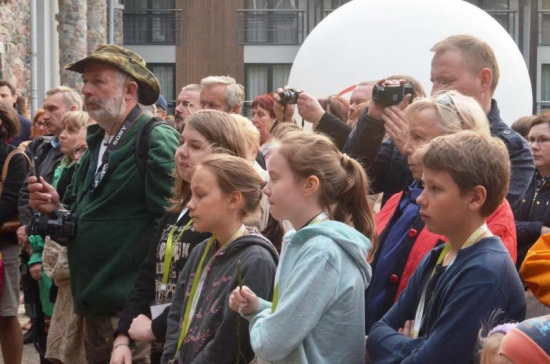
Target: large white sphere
<point>372,39</point>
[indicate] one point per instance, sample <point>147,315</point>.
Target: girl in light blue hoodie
<point>317,313</point>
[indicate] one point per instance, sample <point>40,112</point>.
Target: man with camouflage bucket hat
<point>115,206</point>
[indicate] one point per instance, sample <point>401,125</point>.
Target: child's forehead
<point>437,176</point>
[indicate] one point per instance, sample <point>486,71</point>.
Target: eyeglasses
<point>539,141</point>
<point>447,101</point>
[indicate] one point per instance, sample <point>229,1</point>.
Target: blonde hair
<point>223,134</point>
<point>476,53</point>
<point>236,174</point>
<point>251,134</point>
<point>75,120</point>
<point>490,348</point>
<point>455,112</point>
<point>343,183</point>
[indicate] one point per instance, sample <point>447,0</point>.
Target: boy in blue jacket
<point>458,285</point>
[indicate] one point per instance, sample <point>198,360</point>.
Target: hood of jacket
<point>355,244</point>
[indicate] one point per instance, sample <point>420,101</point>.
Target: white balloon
<point>372,39</point>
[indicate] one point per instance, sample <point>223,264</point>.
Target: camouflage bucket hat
<point>128,62</point>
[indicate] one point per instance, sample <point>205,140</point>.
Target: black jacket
<point>46,149</point>
<point>531,215</point>
<point>146,290</point>
<point>17,171</point>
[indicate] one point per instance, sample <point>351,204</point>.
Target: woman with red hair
<point>264,119</point>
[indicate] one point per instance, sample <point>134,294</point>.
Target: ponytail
<point>352,204</point>
<point>342,180</point>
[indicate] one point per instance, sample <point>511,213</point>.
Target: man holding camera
<point>112,203</point>
<point>463,63</point>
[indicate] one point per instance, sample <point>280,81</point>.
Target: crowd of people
<point>405,231</point>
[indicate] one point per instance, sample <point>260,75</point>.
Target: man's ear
<point>235,109</point>
<point>310,185</point>
<point>486,78</point>
<point>131,90</point>
<point>478,198</point>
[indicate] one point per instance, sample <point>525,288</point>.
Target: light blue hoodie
<point>323,274</point>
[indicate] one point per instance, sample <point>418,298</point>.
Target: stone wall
<point>15,35</point>
<point>73,41</point>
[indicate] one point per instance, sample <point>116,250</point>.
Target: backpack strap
<point>141,147</point>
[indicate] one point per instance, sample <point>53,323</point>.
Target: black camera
<point>391,95</point>
<point>61,228</point>
<point>289,96</point>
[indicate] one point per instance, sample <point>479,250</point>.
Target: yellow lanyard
<point>420,308</point>
<point>169,253</point>
<point>191,301</point>
<point>321,217</point>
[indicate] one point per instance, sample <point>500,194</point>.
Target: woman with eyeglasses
<point>533,214</point>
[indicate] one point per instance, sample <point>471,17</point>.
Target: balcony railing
<point>271,26</point>
<point>152,26</point>
<point>506,18</point>
<point>544,27</point>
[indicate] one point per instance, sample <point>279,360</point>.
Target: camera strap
<point>132,117</point>
<point>115,143</point>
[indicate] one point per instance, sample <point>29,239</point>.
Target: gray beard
<point>106,117</point>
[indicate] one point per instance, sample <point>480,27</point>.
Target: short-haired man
<point>58,102</point>
<point>360,94</point>
<point>468,64</point>
<point>113,199</point>
<point>222,93</point>
<point>189,101</point>
<point>9,96</point>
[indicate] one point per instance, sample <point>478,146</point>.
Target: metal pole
<point>34,60</point>
<point>111,21</point>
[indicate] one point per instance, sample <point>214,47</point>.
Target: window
<point>500,10</point>
<point>544,23</point>
<point>151,22</point>
<point>264,78</point>
<point>271,22</point>
<point>166,74</point>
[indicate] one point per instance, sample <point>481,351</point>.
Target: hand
<point>140,329</point>
<point>283,113</point>
<point>375,110</point>
<point>23,238</point>
<point>309,108</point>
<point>407,329</point>
<point>244,301</point>
<point>395,124</point>
<point>121,351</point>
<point>42,196</point>
<point>36,271</point>
<point>545,230</point>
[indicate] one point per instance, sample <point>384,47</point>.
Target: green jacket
<point>116,220</point>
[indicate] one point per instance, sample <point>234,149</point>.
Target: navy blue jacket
<point>481,280</point>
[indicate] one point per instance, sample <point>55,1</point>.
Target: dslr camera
<point>391,95</point>
<point>61,228</point>
<point>289,96</point>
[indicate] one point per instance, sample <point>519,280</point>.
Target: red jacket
<point>501,223</point>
